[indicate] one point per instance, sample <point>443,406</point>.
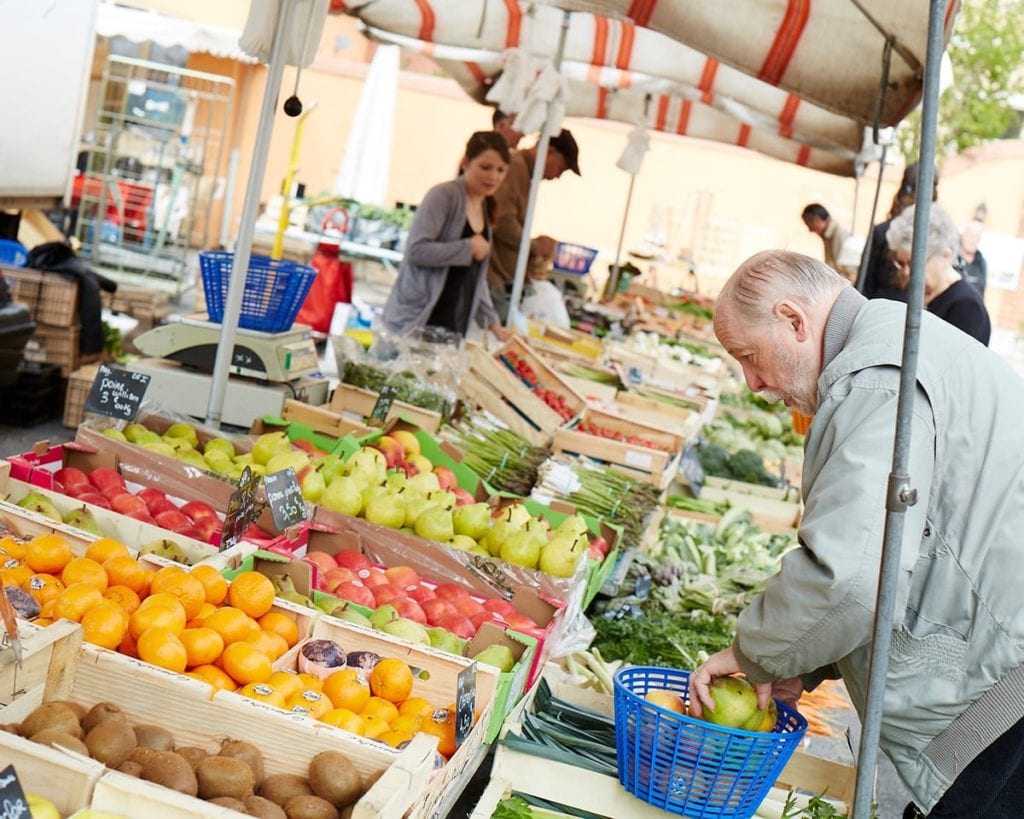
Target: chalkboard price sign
<point>13,802</point>
<point>242,509</point>
<point>285,498</point>
<point>385,399</point>
<point>117,393</point>
<point>465,703</point>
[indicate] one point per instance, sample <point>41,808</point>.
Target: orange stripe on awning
<point>787,116</point>
<point>744,136</point>
<point>515,18</point>
<point>641,10</point>
<point>625,79</point>
<point>707,79</point>
<point>427,20</point>
<point>786,40</point>
<point>477,72</point>
<point>684,117</point>
<point>626,46</point>
<point>600,48</point>
<point>662,116</point>
<point>602,102</point>
<point>803,156</point>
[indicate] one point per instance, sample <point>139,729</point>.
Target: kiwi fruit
<point>229,802</point>
<point>142,755</point>
<point>247,752</point>
<point>224,776</point>
<point>334,778</point>
<point>101,712</point>
<point>193,754</point>
<point>155,737</point>
<point>53,738</point>
<point>172,771</point>
<point>279,788</point>
<point>347,811</point>
<point>131,768</point>
<point>310,807</point>
<point>263,808</point>
<point>79,709</point>
<point>111,742</point>
<point>56,715</point>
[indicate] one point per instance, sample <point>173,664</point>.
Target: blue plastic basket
<point>690,767</point>
<point>575,259</point>
<point>273,295</point>
<point>13,253</point>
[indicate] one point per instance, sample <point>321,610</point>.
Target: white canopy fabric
<point>139,26</point>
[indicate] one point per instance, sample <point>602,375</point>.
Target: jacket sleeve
<point>425,247</point>
<point>820,606</point>
<point>510,207</point>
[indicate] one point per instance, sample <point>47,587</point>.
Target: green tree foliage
<point>986,50</point>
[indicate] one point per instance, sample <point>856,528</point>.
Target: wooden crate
<point>481,394</point>
<point>79,384</point>
<point>574,342</point>
<point>771,514</point>
<point>58,345</point>
<point>66,779</point>
<point>683,422</point>
<point>51,298</point>
<point>323,420</point>
<point>49,657</point>
<point>360,402</point>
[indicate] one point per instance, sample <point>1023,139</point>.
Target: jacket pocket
<point>938,656</point>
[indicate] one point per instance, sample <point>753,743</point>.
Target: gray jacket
<point>435,244</point>
<point>956,674</point>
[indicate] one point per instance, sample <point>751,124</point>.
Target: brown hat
<point>570,151</point>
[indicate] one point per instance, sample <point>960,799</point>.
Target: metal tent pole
<point>531,201</point>
<point>900,494</point>
<point>614,276</point>
<point>250,207</point>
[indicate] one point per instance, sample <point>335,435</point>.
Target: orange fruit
<point>161,615</point>
<point>214,584</point>
<point>44,587</point>
<point>377,707</point>
<point>245,663</point>
<point>75,601</point>
<point>128,646</point>
<point>391,679</point>
<point>282,624</point>
<point>46,612</point>
<point>104,548</point>
<point>346,691</point>
<point>214,676</point>
<point>124,597</point>
<point>162,647</point>
<point>124,570</point>
<point>395,738</point>
<point>48,554</point>
<point>205,611</point>
<point>310,702</point>
<point>286,682</point>
<point>270,643</point>
<point>202,645</point>
<point>84,570</point>
<point>232,625</point>
<point>147,578</point>
<point>374,726</point>
<point>160,599</point>
<point>416,707</point>
<point>443,729</point>
<point>180,584</point>
<point>251,592</point>
<point>14,573</point>
<point>9,547</point>
<point>310,681</point>
<point>343,718</point>
<point>105,625</point>
<point>408,724</point>
<point>263,692</point>
<point>42,621</point>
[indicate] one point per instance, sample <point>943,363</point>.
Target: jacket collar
<point>840,321</point>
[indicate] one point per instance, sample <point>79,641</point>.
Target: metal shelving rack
<point>151,169</point>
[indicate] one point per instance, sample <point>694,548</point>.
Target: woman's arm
<point>425,247</point>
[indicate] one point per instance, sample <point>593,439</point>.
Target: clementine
<point>104,548</point>
<point>280,623</point>
<point>308,701</point>
<point>105,625</point>
<point>202,645</point>
<point>159,615</point>
<point>182,585</point>
<point>162,647</point>
<point>232,625</point>
<point>125,570</point>
<point>263,692</point>
<point>214,584</point>
<point>84,570</point>
<point>245,663</point>
<point>44,587</point>
<point>251,592</point>
<point>377,707</point>
<point>75,601</point>
<point>345,719</point>
<point>214,676</point>
<point>346,691</point>
<point>391,679</point>
<point>286,682</point>
<point>124,597</point>
<point>48,554</point>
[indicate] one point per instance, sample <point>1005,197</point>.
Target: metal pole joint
<point>900,495</point>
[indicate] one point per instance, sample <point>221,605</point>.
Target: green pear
<point>83,518</point>
<point>561,556</point>
<point>217,461</point>
<point>268,445</point>
<point>444,640</point>
<point>132,432</point>
<point>115,433</point>
<point>184,431</point>
<point>386,509</point>
<point>522,548</point>
<point>442,498</point>
<point>350,615</point>
<point>409,630</point>
<point>464,543</point>
<point>311,484</point>
<point>177,444</point>
<point>501,657</point>
<point>424,482</point>
<point>168,549</point>
<point>472,520</point>
<point>501,530</point>
<point>291,458</point>
<point>516,514</point>
<point>41,505</point>
<point>382,615</point>
<point>222,444</point>
<point>370,462</point>
<point>243,460</point>
<point>343,495</point>
<point>396,481</point>
<point>193,458</point>
<point>574,525</point>
<point>160,448</point>
<point>415,505</point>
<point>435,523</point>
<point>332,468</point>
<point>480,550</point>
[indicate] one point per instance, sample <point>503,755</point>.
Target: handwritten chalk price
<point>242,509</point>
<point>117,393</point>
<point>465,703</point>
<point>13,802</point>
<point>285,498</point>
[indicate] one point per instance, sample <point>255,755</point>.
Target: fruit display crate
<point>357,403</point>
<point>49,657</point>
<point>656,466</point>
<point>773,509</point>
<point>64,778</point>
<point>564,341</point>
<point>682,421</point>
<point>323,420</point>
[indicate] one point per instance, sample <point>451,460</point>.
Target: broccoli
<point>714,460</point>
<point>746,465</point>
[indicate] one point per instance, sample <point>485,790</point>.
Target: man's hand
<point>719,665</point>
<point>502,332</point>
<point>788,690</point>
<point>479,247</point>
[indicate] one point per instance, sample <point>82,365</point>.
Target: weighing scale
<point>266,369</point>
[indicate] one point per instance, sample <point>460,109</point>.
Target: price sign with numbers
<point>285,498</point>
<point>242,509</point>
<point>117,393</point>
<point>465,703</point>
<point>13,802</point>
<point>385,399</point>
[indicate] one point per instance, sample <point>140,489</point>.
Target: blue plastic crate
<point>274,290</point>
<point>574,259</point>
<point>690,767</point>
<point>13,253</point>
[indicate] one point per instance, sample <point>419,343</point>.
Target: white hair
<point>766,277</point>
<point>942,232</point>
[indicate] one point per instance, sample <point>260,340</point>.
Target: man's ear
<point>795,318</point>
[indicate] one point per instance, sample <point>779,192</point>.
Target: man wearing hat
<point>511,197</point>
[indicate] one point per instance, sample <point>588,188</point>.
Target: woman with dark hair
<point>443,279</point>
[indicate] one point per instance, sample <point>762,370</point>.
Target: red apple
<point>484,616</point>
<point>158,505</point>
<point>333,578</point>
<point>254,534</point>
<point>451,591</point>
<point>502,607</point>
<point>387,593</point>
<point>174,521</point>
<point>126,503</point>
<point>519,621</point>
<point>69,477</point>
<point>350,559</point>
<point>437,609</point>
<point>462,497</point>
<point>149,494</point>
<point>598,548</point>
<point>79,489</point>
<point>323,561</point>
<point>410,469</point>
<point>113,491</point>
<point>467,606</point>
<point>95,498</point>
<point>209,529</point>
<point>421,594</point>
<point>402,576</point>
<point>355,593</point>
<point>104,478</point>
<point>198,509</point>
<point>141,515</point>
<point>446,478</point>
<point>372,577</point>
<point>409,609</point>
<point>392,451</point>
<point>457,625</point>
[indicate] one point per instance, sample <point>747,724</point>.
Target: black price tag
<point>13,802</point>
<point>465,703</point>
<point>241,509</point>
<point>385,399</point>
<point>285,498</point>
<point>690,467</point>
<point>117,393</point>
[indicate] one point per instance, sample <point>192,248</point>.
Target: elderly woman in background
<point>946,294</point>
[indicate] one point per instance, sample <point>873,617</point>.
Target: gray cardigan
<point>435,244</point>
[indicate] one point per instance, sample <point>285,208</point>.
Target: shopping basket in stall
<point>574,259</point>
<point>274,290</point>
<point>690,767</point>
<point>13,253</point>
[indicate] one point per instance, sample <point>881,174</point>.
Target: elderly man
<point>954,698</point>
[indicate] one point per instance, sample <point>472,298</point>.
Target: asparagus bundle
<point>504,459</point>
